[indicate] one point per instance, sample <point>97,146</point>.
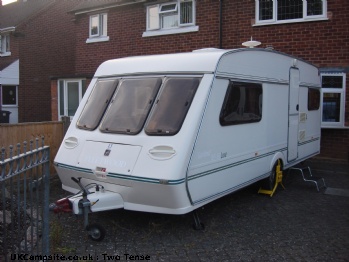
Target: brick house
<point>95,31</point>
<point>37,43</point>
<point>10,38</point>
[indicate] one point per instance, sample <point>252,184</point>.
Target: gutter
<point>106,7</point>
<point>7,29</point>
<point>220,24</point>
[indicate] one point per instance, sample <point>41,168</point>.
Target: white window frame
<point>65,94</point>
<point>175,9</point>
<point>156,30</point>
<point>102,28</point>
<point>342,92</point>
<point>305,18</point>
<point>5,45</point>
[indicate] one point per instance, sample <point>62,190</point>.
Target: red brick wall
<point>125,28</point>
<point>324,43</point>
<point>47,49</point>
<point>335,143</point>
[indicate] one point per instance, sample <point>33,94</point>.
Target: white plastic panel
<point>112,158</point>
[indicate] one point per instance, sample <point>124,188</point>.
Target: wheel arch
<point>277,156</point>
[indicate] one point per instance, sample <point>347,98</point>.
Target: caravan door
<point>293,115</point>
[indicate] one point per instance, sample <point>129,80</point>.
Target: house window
<point>242,104</point>
<point>9,95</point>
<point>171,18</point>
<point>70,93</point>
<point>289,11</point>
<point>98,28</point>
<point>5,45</point>
<point>333,99</point>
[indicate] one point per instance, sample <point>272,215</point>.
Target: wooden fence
<point>11,134</point>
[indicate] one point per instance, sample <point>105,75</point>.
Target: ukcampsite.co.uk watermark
<point>57,257</point>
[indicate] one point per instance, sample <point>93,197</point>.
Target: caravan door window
<point>172,105</point>
<point>97,104</point>
<point>242,104</point>
<point>130,105</point>
<point>313,99</point>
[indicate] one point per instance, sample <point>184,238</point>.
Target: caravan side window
<point>96,104</point>
<point>242,104</point>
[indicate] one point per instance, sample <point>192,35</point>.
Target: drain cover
<point>337,191</point>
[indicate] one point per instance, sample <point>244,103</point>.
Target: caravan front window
<point>130,105</point>
<point>96,104</point>
<point>172,105</point>
<point>242,104</point>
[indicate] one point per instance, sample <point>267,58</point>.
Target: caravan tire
<point>269,182</point>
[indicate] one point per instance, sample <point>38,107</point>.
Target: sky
<point>5,2</point>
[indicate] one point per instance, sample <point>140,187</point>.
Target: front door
<point>293,115</point>
<point>71,92</point>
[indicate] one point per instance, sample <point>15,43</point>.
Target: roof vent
<point>210,49</point>
<point>251,43</point>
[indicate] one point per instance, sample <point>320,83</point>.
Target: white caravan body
<point>170,133</point>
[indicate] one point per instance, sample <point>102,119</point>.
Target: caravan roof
<point>247,63</point>
<point>198,61</point>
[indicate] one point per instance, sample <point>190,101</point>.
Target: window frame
<point>102,28</point>
<point>274,20</point>
<point>175,9</point>
<point>5,45</point>
<point>180,28</point>
<point>342,92</point>
<point>82,89</point>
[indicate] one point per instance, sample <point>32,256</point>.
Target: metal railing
<point>24,200</point>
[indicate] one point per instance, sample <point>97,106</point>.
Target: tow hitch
<point>87,201</point>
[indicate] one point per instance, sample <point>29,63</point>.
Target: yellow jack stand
<point>278,181</point>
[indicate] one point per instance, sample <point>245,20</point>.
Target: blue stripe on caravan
<point>80,169</point>
<point>126,177</point>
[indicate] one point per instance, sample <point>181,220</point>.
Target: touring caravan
<point>171,133</point>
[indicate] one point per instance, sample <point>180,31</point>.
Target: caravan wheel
<point>269,182</point>
<point>96,232</point>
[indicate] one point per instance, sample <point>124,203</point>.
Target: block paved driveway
<point>296,224</point>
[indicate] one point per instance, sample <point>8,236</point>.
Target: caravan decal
<point>212,171</point>
<point>309,141</point>
<point>147,180</point>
